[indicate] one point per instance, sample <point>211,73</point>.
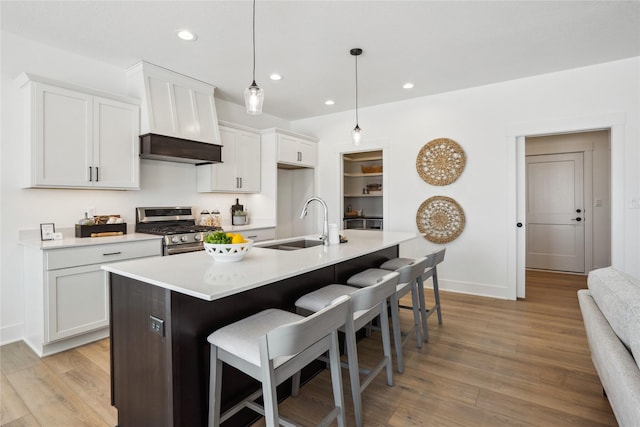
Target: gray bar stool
<point>365,305</point>
<point>431,270</point>
<point>272,346</point>
<point>406,283</point>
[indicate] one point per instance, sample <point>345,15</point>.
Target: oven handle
<point>180,249</point>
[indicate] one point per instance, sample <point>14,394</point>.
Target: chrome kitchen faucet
<point>325,225</point>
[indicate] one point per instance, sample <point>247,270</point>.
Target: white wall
<point>162,183</point>
<point>479,119</point>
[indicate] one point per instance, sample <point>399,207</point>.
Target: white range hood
<point>178,115</point>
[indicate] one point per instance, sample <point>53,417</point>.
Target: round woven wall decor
<point>441,219</point>
<point>441,161</point>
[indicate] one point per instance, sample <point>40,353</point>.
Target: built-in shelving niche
<point>363,189</point>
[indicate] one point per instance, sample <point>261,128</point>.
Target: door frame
<point>516,237</point>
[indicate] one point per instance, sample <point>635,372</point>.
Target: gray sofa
<point>611,313</point>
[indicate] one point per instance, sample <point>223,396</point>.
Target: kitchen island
<point>163,309</point>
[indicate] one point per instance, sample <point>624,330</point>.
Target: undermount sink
<point>294,245</point>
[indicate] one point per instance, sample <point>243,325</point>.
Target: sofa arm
<point>618,372</point>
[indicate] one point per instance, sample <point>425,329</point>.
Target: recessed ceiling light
<point>407,86</point>
<point>187,35</point>
<point>329,102</point>
<point>275,76</point>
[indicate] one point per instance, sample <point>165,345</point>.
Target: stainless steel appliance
<point>177,225</point>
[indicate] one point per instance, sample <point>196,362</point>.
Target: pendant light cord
<point>254,42</point>
<point>356,90</point>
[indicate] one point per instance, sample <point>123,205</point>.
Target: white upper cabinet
<point>79,138</point>
<point>174,104</point>
<point>293,149</point>
<point>239,171</point>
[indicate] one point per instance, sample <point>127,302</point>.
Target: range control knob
<point>184,238</point>
<point>174,239</point>
<point>197,237</point>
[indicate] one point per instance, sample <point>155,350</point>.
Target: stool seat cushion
<point>368,277</point>
<point>396,263</point>
<point>242,337</point>
<point>321,298</point>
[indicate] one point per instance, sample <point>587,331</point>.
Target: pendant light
<point>253,95</point>
<point>356,133</point>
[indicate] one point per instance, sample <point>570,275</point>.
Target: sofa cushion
<point>618,298</point>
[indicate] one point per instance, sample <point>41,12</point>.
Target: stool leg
<point>423,309</point>
<point>386,340</point>
<point>397,336</point>
<point>354,370</point>
<point>416,314</point>
<point>215,387</point>
<point>295,384</point>
<point>336,378</point>
<point>269,396</point>
<point>436,294</point>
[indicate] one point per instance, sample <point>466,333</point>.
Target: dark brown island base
<point>163,309</point>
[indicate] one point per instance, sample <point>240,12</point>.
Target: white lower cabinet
<point>78,301</point>
<point>67,293</point>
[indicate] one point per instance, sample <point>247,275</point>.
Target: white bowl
<point>231,252</point>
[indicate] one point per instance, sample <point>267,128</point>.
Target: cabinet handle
<point>240,182</point>
<point>97,174</point>
<point>112,253</point>
<point>90,174</point>
<point>299,156</point>
<point>252,237</point>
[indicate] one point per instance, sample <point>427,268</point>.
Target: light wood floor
<point>492,363</point>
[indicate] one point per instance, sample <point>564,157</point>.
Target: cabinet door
<point>248,158</point>
<point>61,137</point>
<point>224,175</point>
<point>288,149</point>
<point>307,153</point>
<point>77,302</point>
<point>116,149</point>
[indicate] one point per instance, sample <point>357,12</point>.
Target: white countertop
<point>31,238</point>
<point>198,275</point>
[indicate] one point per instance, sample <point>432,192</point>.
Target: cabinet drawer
<point>100,254</point>
<point>260,234</point>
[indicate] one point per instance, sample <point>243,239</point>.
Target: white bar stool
<point>406,283</point>
<point>433,259</point>
<point>271,346</point>
<point>365,305</point>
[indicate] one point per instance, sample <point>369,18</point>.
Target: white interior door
<point>555,212</point>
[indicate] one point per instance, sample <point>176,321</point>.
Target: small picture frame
<point>47,231</point>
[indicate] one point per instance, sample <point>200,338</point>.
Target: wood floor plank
<point>50,400</point>
<point>13,407</point>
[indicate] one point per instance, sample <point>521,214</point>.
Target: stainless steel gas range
<point>176,224</point>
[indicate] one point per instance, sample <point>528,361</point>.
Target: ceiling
<point>439,46</point>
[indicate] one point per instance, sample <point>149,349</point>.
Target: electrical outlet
<point>156,325</point>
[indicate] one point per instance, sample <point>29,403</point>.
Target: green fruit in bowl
<point>219,238</point>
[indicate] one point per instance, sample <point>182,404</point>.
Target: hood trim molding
<point>171,149</point>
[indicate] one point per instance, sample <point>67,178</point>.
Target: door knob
<point>578,210</point>
<point>519,225</point>
<point>578,219</point>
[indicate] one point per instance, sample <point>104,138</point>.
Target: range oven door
<point>184,248</point>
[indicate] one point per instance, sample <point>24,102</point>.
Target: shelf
<point>359,174</point>
<point>363,195</point>
<point>362,159</point>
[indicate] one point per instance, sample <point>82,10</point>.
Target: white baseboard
<point>12,333</point>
